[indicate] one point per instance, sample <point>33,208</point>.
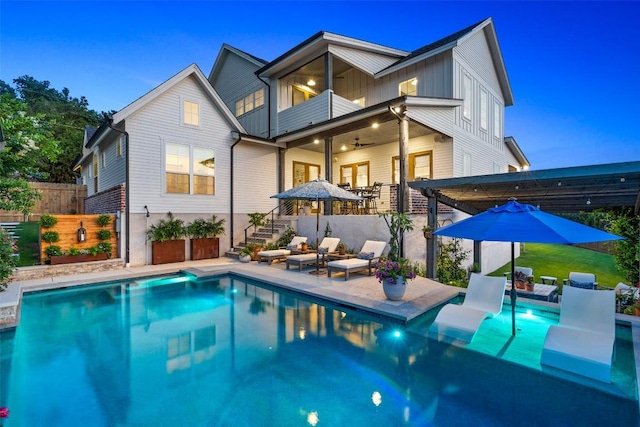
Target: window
<point>355,174</point>
<point>119,143</point>
<point>496,120</point>
<point>466,164</point>
<point>203,171</point>
<point>408,87</point>
<point>483,109</point>
<point>191,113</point>
<point>300,95</point>
<point>250,102</point>
<point>177,168</point>
<point>179,172</point>
<point>95,173</point>
<point>420,166</point>
<point>304,172</point>
<point>103,160</point>
<point>466,95</point>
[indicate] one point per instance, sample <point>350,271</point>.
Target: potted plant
<point>304,246</point>
<point>342,248</point>
<point>253,249</point>
<point>204,242</point>
<point>394,276</point>
<point>257,219</point>
<point>427,232</point>
<point>167,243</point>
<point>520,280</point>
<point>245,254</point>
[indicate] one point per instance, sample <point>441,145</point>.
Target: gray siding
<point>368,62</point>
<point>113,173</point>
<point>315,110</point>
<point>237,80</point>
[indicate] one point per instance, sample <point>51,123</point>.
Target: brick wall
<point>107,201</point>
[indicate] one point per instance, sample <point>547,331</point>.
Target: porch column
<point>328,171</point>
<point>403,152</point>
<point>432,243</point>
<point>477,253</point>
<point>328,71</point>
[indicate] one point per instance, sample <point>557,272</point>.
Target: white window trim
<point>408,81</point>
<point>182,111</point>
<point>191,169</point>
<point>497,120</point>
<point>467,104</point>
<point>484,109</point>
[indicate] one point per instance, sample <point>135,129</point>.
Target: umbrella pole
<point>317,270</point>
<point>513,293</point>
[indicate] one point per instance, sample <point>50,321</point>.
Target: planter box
<point>70,259</point>
<point>205,248</point>
<point>167,252</point>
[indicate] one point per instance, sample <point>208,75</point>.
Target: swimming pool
<point>224,351</point>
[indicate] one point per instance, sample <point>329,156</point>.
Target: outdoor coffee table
<point>541,292</point>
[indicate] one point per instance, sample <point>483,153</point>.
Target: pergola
<point>562,190</point>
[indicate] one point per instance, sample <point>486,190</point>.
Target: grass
<point>28,243</point>
<point>559,260</point>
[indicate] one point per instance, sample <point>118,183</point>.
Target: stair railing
<point>287,205</point>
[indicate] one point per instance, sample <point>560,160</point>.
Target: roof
<point>561,190</point>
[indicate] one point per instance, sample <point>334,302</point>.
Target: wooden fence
<point>57,199</point>
<point>67,228</point>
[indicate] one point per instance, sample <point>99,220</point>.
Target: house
<point>336,107</point>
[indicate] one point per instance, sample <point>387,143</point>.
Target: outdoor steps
<point>262,236</point>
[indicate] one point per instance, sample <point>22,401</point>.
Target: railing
<point>286,205</point>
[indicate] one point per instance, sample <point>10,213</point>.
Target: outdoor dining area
<point>367,206</point>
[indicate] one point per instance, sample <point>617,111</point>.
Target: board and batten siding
<point>160,122</point>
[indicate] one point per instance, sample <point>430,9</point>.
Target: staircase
<point>270,233</point>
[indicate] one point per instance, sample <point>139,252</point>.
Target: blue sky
<point>573,66</point>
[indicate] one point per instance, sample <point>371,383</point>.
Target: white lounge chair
<point>484,298</point>
<point>583,341</point>
<point>581,280</point>
<point>329,243</point>
<point>283,253</point>
<point>367,257</point>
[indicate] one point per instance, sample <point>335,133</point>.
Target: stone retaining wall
<point>41,271</point>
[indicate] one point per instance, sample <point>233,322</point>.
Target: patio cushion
<point>365,255</point>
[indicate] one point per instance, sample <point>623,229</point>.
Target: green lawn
<point>28,246</point>
<point>559,260</point>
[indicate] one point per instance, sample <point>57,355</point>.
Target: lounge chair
<point>583,340</point>
<point>283,253</point>
<point>366,259</point>
<point>484,299</point>
<point>581,280</point>
<point>329,243</point>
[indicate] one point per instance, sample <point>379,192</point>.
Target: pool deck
<point>360,292</point>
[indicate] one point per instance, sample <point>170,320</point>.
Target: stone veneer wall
<point>107,201</point>
<point>42,271</point>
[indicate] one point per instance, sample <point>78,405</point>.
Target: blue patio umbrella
<point>517,222</point>
<point>317,190</point>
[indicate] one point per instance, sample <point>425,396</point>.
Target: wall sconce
<point>82,233</point>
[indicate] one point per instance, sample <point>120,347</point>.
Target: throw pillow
<point>292,247</point>
<point>583,285</point>
<point>365,255</point>
<point>323,250</point>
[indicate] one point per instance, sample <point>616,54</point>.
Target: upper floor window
<point>204,168</point>
<point>250,102</point>
<point>119,143</point>
<point>177,168</point>
<point>355,174</point>
<point>191,113</point>
<point>408,87</point>
<point>103,160</point>
<point>483,109</point>
<point>466,95</point>
<point>466,164</point>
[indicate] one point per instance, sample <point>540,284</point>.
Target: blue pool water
<point>224,351</point>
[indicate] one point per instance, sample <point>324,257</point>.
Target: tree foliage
<point>66,117</point>
<point>627,254</point>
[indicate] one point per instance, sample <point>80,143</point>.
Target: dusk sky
<point>573,66</point>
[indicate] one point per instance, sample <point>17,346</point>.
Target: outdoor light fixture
<point>311,82</point>
<point>82,233</point>
<point>147,209</point>
<point>343,148</point>
<point>375,125</point>
<point>316,141</point>
<point>589,201</point>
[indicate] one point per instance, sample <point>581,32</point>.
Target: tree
<point>29,144</point>
<point>627,254</point>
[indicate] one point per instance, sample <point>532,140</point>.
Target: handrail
<point>272,212</point>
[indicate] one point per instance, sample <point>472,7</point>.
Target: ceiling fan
<point>357,144</point>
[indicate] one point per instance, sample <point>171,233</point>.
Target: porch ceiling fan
<point>358,144</point>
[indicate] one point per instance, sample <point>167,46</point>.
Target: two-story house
<point>350,111</point>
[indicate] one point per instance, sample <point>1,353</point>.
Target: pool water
<point>223,351</point>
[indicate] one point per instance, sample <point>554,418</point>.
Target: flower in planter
<point>389,270</point>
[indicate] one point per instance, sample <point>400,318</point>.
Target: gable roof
<point>228,49</point>
<point>517,152</point>
<point>319,42</point>
<point>455,39</point>
<point>194,71</point>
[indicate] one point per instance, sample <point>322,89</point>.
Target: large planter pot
<point>167,252</point>
<point>395,291</point>
<point>205,248</point>
<point>70,259</point>
<point>244,258</point>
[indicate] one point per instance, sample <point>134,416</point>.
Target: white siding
<point>440,119</point>
<point>255,178</point>
<point>160,122</point>
<point>341,106</point>
<point>368,62</point>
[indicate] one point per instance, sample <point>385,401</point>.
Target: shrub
<point>47,221</point>
<point>53,250</point>
<point>7,260</point>
<point>104,247</point>
<point>164,230</point>
<point>104,234</point>
<point>449,263</point>
<point>103,220</point>
<point>50,236</point>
